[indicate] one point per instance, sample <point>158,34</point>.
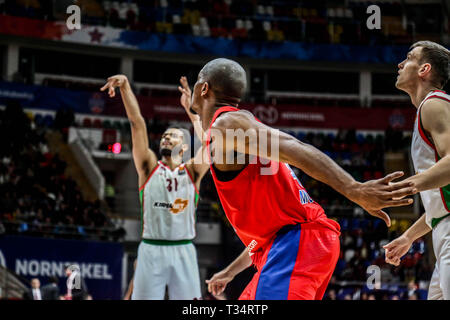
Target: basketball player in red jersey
<point>289,239</point>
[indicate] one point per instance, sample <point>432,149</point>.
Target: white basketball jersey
<point>168,202</point>
<point>424,155</point>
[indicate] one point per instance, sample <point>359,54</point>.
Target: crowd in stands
<point>285,20</point>
<point>361,246</point>
<point>36,196</point>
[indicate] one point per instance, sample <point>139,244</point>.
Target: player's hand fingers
<point>105,86</point>
<point>390,246</point>
<point>215,289</point>
<point>209,285</point>
<point>398,194</point>
<point>183,91</point>
<point>399,202</point>
<point>184,83</point>
<point>112,92</point>
<point>382,215</point>
<point>392,176</point>
<point>388,260</point>
<point>393,186</point>
<point>221,289</point>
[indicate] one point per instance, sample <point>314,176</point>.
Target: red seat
<point>97,123</point>
<point>87,123</point>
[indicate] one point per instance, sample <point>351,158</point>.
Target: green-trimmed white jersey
<point>424,155</point>
<point>168,203</point>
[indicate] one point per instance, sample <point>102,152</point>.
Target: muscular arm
<point>435,115</point>
<point>372,195</point>
<point>144,158</point>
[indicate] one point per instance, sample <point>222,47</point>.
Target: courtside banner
<point>100,263</point>
<point>281,115</point>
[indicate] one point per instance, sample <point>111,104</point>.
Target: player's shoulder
<point>233,120</point>
<point>436,105</point>
<point>435,114</point>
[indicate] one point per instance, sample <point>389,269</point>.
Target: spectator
<point>35,292</point>
<point>51,290</point>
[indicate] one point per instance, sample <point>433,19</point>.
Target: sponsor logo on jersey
<point>162,205</point>
<point>251,246</point>
<point>182,171</point>
<point>176,207</point>
<point>179,205</point>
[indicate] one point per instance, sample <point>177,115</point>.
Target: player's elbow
<point>137,121</point>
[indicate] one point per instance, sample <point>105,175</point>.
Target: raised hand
<point>186,92</point>
<point>397,249</point>
<point>113,82</point>
<point>374,195</point>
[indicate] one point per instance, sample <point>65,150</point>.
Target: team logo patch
<point>251,246</point>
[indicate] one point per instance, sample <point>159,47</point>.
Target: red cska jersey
<point>258,206</point>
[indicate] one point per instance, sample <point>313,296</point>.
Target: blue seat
<point>38,119</point>
<point>81,230</point>
<point>48,121</point>
<point>344,224</point>
<point>363,223</point>
<point>360,138</point>
<point>356,223</point>
<point>422,294</point>
<point>23,227</point>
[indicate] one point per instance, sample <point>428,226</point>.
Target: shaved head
<point>226,78</point>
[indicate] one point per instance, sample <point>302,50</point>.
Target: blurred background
<point>68,186</point>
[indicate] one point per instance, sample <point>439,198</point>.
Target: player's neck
<point>171,163</point>
<point>419,94</point>
<point>207,116</point>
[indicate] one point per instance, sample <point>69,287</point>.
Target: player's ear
<point>185,147</point>
<point>205,89</point>
<point>424,69</point>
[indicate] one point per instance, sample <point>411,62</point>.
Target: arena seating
<point>250,20</point>
<point>37,198</point>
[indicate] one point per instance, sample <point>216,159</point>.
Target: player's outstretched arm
<point>219,281</point>
<point>198,165</point>
<point>435,116</point>
<point>144,158</point>
<point>400,246</point>
<point>372,195</point>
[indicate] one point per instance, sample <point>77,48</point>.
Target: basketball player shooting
<point>168,192</point>
<point>423,75</point>
<point>289,239</point>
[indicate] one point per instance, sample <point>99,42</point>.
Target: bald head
<point>226,78</point>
